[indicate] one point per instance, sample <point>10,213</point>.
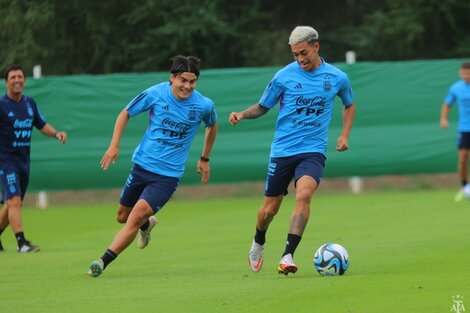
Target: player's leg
<point>280,173</point>
<point>308,175</point>
<point>3,223</point>
<point>139,179</point>
<point>139,214</point>
<point>462,164</point>
<point>14,217</point>
<point>266,214</point>
<point>15,182</point>
<point>4,211</point>
<point>123,213</point>
<point>157,193</point>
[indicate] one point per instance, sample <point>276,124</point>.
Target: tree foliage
<point>89,36</point>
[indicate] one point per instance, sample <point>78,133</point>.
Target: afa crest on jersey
<point>192,114</point>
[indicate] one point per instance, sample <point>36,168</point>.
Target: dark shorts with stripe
<point>154,188</point>
<point>282,170</point>
<point>463,140</point>
<point>14,180</point>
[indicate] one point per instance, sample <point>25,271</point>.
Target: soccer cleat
<point>27,247</point>
<point>144,235</point>
<point>255,258</point>
<point>460,195</point>
<point>286,265</point>
<point>96,268</point>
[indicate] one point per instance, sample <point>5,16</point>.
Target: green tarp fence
<point>396,129</point>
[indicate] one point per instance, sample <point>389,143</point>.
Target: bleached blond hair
<point>303,33</point>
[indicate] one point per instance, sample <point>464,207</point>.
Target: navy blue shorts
<point>282,170</point>
<point>154,188</point>
<point>14,180</point>
<point>463,140</point>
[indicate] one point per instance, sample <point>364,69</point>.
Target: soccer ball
<point>331,259</point>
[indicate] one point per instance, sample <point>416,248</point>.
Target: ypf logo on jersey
<point>310,106</point>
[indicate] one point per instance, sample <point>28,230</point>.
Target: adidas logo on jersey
<point>298,86</point>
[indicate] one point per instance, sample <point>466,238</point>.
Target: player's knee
<point>270,210</point>
<point>122,217</point>
<point>304,196</point>
<point>14,203</point>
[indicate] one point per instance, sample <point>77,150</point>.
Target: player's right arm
<point>444,115</point>
<point>252,112</point>
<point>111,155</point>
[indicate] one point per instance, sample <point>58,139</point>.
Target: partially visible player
<point>18,114</point>
<point>176,112</point>
<point>459,93</point>
<point>305,91</point>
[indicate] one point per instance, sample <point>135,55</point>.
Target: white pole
<point>356,184</point>
<point>37,71</point>
<point>350,57</point>
<point>42,200</point>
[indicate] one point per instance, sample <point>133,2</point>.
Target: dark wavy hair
<point>12,67</point>
<point>181,64</point>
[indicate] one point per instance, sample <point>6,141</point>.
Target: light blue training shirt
<point>306,100</point>
<point>173,124</point>
<point>460,92</point>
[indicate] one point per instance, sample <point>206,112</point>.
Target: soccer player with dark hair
<point>305,90</point>
<point>176,110</point>
<point>18,114</point>
<point>459,93</point>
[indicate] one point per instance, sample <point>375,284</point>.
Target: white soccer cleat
<point>255,258</point>
<point>144,235</point>
<point>286,265</point>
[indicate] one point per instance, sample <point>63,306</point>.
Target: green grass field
<point>410,252</point>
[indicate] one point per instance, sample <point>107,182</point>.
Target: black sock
<point>108,257</point>
<point>464,182</point>
<point>20,239</point>
<point>145,226</point>
<point>292,243</point>
<point>260,236</point>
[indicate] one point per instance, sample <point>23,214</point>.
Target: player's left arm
<point>50,131</point>
<point>348,119</point>
<point>203,167</point>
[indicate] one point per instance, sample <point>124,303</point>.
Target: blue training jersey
<point>306,100</point>
<point>16,125</point>
<point>460,92</point>
<point>173,124</point>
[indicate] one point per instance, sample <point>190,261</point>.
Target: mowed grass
<point>410,252</point>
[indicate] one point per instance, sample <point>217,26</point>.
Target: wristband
<point>203,159</point>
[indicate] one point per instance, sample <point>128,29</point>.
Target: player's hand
<point>342,144</point>
<point>444,123</point>
<point>62,136</point>
<point>235,117</point>
<point>110,156</point>
<point>203,170</point>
